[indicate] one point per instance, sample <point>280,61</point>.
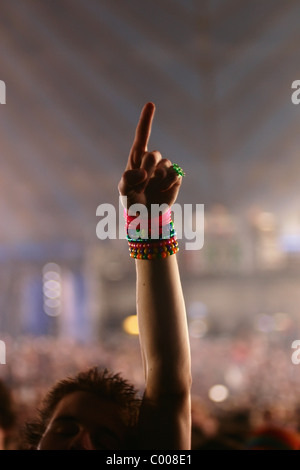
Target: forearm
<point>163,326</point>
<point>165,414</point>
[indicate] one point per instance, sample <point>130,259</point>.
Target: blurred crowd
<point>258,383</point>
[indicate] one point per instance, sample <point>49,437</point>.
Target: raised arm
<point>165,418</point>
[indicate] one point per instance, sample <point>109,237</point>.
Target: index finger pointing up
<point>142,134</point>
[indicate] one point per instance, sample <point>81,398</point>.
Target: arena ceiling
<point>77,74</point>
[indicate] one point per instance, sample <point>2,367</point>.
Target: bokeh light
<point>218,393</point>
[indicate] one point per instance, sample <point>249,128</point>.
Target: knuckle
<point>166,162</point>
<point>156,155</point>
<point>150,158</point>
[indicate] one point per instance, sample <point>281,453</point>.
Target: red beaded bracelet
<point>153,250</point>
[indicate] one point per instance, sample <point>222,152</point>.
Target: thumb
<point>131,179</point>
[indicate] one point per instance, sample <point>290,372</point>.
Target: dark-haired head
<point>96,409</point>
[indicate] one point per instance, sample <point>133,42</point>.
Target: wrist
<point>151,237</point>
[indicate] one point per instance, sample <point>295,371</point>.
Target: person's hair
<point>101,383</point>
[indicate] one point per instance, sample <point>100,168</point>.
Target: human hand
<point>148,178</point>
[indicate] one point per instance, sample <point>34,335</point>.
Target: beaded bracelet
<point>148,244</point>
<point>165,232</point>
<point>154,250</point>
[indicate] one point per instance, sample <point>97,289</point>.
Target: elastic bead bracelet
<point>164,233</point>
<point>150,251</point>
<point>148,244</point>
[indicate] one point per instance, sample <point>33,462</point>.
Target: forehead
<point>90,409</point>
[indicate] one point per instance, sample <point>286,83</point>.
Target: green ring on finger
<point>178,169</point>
